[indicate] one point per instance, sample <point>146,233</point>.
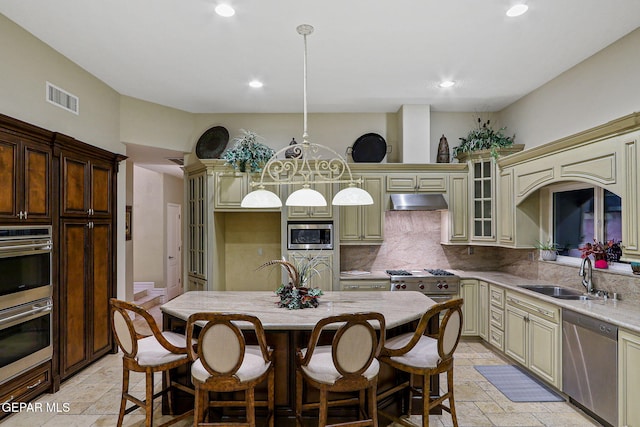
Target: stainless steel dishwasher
<point>590,364</point>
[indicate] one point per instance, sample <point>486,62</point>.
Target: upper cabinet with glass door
<point>483,194</point>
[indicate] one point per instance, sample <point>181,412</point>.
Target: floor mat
<point>517,385</point>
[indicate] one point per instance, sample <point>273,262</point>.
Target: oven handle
<point>35,309</point>
<point>42,246</point>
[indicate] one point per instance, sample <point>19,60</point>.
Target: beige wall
<point>27,64</point>
<point>336,131</point>
<point>250,240</point>
<point>601,88</point>
<point>145,123</point>
<point>148,227</point>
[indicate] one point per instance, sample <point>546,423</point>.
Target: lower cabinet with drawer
<point>24,388</point>
<point>496,316</point>
<point>532,335</point>
<point>365,285</point>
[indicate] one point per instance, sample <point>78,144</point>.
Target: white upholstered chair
<point>418,353</point>
<point>349,364</point>
<point>158,352</point>
<point>225,364</point>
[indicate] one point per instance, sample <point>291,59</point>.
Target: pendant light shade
<point>261,198</point>
<point>306,197</point>
<point>352,196</point>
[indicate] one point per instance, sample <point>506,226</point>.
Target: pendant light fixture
<point>306,168</point>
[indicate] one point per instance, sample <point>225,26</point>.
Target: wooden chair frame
<point>349,381</point>
<point>228,381</point>
<point>130,363</point>
<point>445,364</point>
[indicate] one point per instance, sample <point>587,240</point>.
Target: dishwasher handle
<point>591,323</point>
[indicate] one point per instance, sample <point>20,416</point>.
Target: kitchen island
<point>287,330</point>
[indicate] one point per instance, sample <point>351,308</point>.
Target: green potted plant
<point>548,250</point>
<point>484,137</point>
<point>247,154</point>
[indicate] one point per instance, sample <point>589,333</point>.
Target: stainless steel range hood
<point>418,202</point>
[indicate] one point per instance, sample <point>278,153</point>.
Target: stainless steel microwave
<point>309,235</point>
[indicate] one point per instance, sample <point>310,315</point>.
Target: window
<point>582,213</point>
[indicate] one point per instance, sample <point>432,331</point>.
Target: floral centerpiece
<point>296,294</point>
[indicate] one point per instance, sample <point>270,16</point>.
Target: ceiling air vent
<point>177,160</point>
<point>62,98</point>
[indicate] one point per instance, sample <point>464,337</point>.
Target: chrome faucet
<point>587,275</point>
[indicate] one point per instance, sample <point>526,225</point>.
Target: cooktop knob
<point>421,286</point>
<point>404,286</point>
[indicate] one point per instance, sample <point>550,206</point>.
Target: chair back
<point>123,327</point>
<point>450,328</point>
<point>221,343</point>
<point>355,343</point>
<point>122,314</point>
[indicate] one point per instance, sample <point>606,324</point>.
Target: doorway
<point>174,250</point>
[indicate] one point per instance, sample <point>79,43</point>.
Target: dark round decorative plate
<point>212,143</point>
<point>370,147</point>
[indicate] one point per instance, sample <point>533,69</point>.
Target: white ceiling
<point>364,56</point>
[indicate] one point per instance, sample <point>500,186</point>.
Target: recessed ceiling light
<point>225,10</point>
<point>517,10</point>
<point>447,83</point>
<point>256,84</point>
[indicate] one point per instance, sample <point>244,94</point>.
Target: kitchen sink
<point>557,292</point>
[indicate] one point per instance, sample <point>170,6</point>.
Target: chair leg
<point>452,404</point>
<point>123,399</point>
<point>149,398</point>
<point>299,389</point>
<point>361,403</point>
<point>271,397</point>
<point>251,407</point>
<point>197,410</point>
<point>373,404</point>
<point>425,400</point>
<point>324,408</point>
<point>167,381</point>
<point>411,378</point>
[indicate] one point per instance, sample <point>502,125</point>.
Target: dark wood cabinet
<point>86,186</point>
<point>86,284</point>
<point>25,173</point>
<point>26,387</point>
<point>87,241</point>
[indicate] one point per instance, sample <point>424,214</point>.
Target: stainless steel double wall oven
<point>25,298</point>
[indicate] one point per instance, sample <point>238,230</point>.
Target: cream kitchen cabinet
<point>518,226</point>
<point>231,187</point>
<point>323,280</point>
<point>496,316</point>
<point>364,224</point>
<point>628,378</point>
<point>411,182</point>
<point>631,200</point>
<point>532,336</point>
<point>483,310</point>
<point>469,290</point>
<point>455,220</point>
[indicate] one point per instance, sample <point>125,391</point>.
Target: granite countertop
<point>398,308</point>
<point>621,313</point>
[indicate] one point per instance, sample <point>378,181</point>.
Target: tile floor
<point>93,398</point>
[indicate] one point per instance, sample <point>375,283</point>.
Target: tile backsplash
<point>412,240</point>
